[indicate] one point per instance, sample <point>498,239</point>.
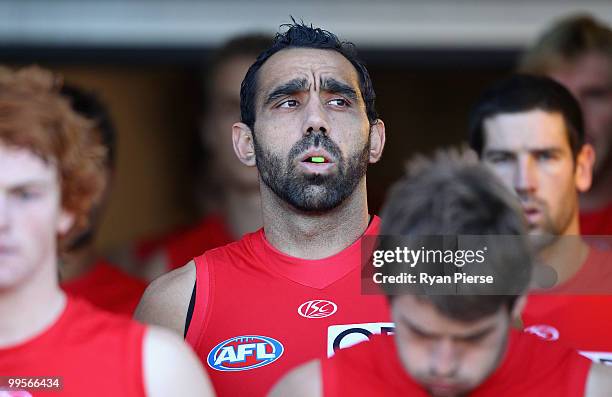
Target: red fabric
<point>108,288</point>
<point>95,352</point>
<point>184,244</point>
<point>596,222</point>
<point>578,320</point>
<point>250,288</point>
<point>531,367</point>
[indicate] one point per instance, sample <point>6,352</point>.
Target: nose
<point>444,359</point>
<point>315,119</point>
<point>525,176</point>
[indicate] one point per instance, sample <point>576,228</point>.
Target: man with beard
<point>461,344</point>
<point>289,292</point>
<point>529,131</point>
<point>577,52</point>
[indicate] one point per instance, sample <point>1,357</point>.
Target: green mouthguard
<point>318,159</point>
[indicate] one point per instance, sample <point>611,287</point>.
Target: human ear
<point>244,147</point>
<point>377,140</point>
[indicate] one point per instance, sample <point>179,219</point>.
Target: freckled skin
<point>30,215</point>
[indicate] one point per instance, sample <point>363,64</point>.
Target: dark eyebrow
<point>470,337</point>
<point>288,88</point>
<point>338,87</point>
<point>544,149</point>
<point>29,184</point>
<point>478,334</point>
<point>415,328</point>
<point>497,151</point>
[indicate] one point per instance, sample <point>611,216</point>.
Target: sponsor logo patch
<point>343,336</point>
<point>317,308</point>
<point>242,353</point>
<point>598,357</point>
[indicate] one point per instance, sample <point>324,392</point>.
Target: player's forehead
<point>313,65</point>
<point>20,166</point>
<point>419,313</point>
<point>533,129</point>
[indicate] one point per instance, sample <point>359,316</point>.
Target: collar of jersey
<point>317,273</point>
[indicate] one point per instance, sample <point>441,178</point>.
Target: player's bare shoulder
<point>166,300</point>
<point>171,367</point>
<point>303,381</point>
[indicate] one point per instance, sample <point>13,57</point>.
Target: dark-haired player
<point>289,292</point>
<point>227,190</point>
<point>50,174</point>
<point>461,344</point>
<point>82,271</point>
<point>529,131</point>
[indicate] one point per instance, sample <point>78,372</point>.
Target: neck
<point>242,210</point>
<point>29,308</point>
<point>566,254</point>
<point>314,235</point>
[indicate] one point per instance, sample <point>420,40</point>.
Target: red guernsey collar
<point>318,273</point>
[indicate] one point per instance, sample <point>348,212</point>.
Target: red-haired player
<point>50,173</point>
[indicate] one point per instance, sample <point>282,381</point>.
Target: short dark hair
<point>453,194</point>
<point>89,106</point>
<point>299,35</point>
<point>522,93</point>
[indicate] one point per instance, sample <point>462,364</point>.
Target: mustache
<point>529,199</point>
<point>315,140</point>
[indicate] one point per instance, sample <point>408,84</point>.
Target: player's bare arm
<point>599,382</point>
<point>166,300</point>
<point>171,368</point>
<point>303,381</point>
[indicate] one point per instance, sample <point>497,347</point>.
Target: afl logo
<point>545,332</point>
<point>242,353</point>
<point>317,309</point>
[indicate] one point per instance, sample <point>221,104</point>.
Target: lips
<point>316,156</point>
<point>532,213</point>
<point>317,162</point>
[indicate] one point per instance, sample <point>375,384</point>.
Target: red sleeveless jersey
<point>598,222</point>
<point>259,313</point>
<point>181,245</point>
<point>531,367</point>
<point>95,353</point>
<point>108,288</point>
<point>583,322</point>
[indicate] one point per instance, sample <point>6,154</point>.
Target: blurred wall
<point>155,112</point>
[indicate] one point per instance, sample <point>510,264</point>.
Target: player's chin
<point>446,390</point>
